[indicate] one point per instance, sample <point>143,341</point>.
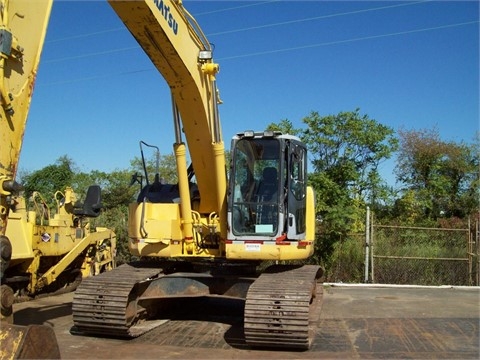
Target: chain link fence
<point>408,255</point>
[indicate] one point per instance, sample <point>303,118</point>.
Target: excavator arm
<point>23,25</point>
<point>174,42</point>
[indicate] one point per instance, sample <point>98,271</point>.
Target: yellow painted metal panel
<point>268,251</point>
<point>21,236</point>
<point>24,22</point>
<point>160,221</point>
<point>162,30</point>
<point>310,215</point>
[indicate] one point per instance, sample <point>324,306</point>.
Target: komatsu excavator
<point>209,236</point>
<point>211,233</point>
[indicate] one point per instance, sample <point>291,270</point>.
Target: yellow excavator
<point>211,233</point>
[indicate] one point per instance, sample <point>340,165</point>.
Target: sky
<point>409,65</point>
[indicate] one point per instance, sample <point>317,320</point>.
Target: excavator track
<point>281,306</point>
<point>106,304</point>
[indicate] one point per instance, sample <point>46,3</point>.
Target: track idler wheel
<point>5,254</point>
<point>7,298</point>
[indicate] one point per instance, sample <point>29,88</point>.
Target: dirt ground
<point>374,322</point>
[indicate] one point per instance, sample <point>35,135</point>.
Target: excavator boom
<point>23,25</point>
<point>181,53</point>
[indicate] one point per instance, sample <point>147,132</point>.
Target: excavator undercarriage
<point>127,301</point>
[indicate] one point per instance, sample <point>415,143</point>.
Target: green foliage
<point>442,176</point>
<point>117,219</point>
<point>117,189</point>
<point>285,126</point>
<point>346,263</point>
<point>349,147</point>
<point>50,179</point>
<point>345,150</point>
<point>167,169</point>
<point>408,209</point>
<point>423,256</point>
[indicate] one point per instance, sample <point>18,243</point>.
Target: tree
<point>286,127</point>
<point>345,151</point>
<point>50,179</point>
<point>442,174</point>
<point>349,147</point>
<point>167,168</point>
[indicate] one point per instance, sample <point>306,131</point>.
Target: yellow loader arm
<point>23,25</point>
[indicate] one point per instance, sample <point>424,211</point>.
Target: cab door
<point>296,190</point>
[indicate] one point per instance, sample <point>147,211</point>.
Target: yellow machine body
<point>174,42</point>
<point>46,245</point>
<point>23,25</point>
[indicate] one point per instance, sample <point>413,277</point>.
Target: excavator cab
<point>267,200</point>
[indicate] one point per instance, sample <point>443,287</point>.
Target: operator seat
<point>92,204</point>
<point>268,185</point>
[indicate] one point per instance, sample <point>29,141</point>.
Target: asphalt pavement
<point>355,321</point>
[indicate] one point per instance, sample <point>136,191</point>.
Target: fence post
<point>469,252</point>
<point>372,248</point>
<point>367,244</point>
<point>477,255</point>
